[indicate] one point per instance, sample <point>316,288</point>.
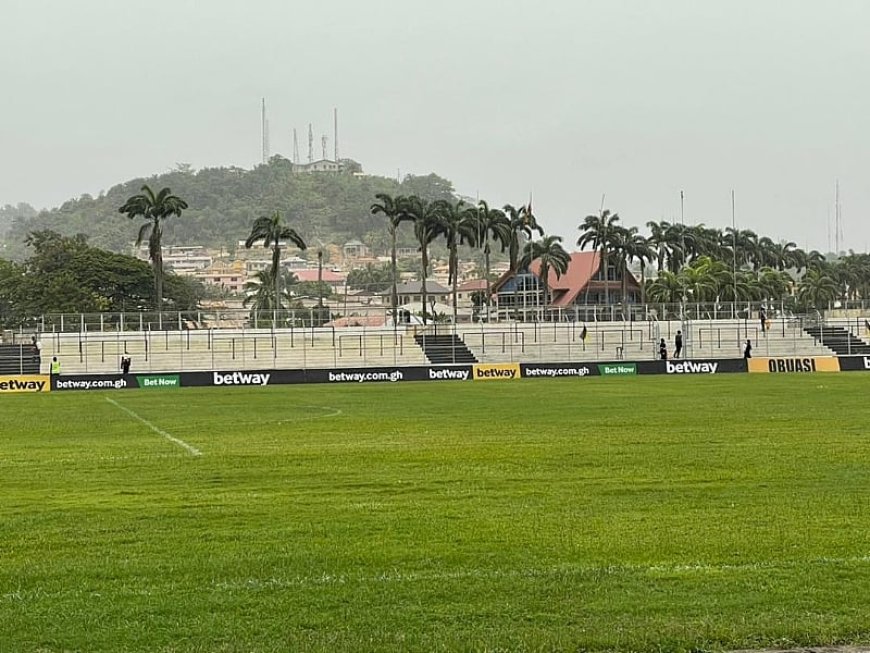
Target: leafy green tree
<point>273,232</point>
<point>551,256</point>
<point>67,275</point>
<point>371,277</point>
<point>154,209</point>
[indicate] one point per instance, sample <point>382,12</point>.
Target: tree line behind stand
<point>693,262</point>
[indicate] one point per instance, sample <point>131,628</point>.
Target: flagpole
<point>734,251</point>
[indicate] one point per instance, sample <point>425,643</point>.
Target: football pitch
<point>647,513</point>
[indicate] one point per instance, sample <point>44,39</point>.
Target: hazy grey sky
<point>567,99</point>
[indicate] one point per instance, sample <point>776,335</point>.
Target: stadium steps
<point>19,359</point>
<point>839,340</point>
<point>445,349</point>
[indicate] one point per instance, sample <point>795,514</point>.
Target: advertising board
<point>25,383</point>
<point>789,365</point>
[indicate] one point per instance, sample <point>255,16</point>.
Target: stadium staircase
<point>444,349</point>
<point>838,339</point>
<point>18,359</point>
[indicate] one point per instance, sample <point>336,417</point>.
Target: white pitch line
<point>193,451</point>
<point>396,576</point>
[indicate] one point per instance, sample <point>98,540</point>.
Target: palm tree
<point>391,207</point>
<point>551,255</point>
<point>658,240</point>
<point>492,224</point>
<point>598,231</point>
<point>460,226</point>
<point>260,292</point>
<point>272,231</point>
<point>428,225</point>
<point>666,288</point>
<point>639,248</point>
<point>155,209</point>
<point>817,289</point>
<point>522,224</point>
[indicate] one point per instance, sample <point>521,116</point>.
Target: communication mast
<point>295,148</point>
<point>323,140</point>
<point>264,125</point>
<point>310,144</point>
<point>335,132</point>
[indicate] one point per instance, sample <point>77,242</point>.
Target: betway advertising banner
<point>693,366</point>
<point>25,383</point>
<point>855,363</point>
<point>115,381</point>
<point>556,370</point>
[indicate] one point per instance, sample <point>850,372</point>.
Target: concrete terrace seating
<point>228,349</point>
<point>157,351</point>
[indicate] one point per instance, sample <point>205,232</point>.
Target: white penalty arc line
<point>332,412</point>
<point>193,451</point>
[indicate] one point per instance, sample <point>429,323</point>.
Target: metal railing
<point>328,346</point>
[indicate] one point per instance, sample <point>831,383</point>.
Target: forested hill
<point>223,203</point>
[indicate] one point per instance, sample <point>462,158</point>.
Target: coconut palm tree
<point>551,256</point>
<point>658,240</point>
<point>522,226</point>
<point>460,227</point>
<point>666,288</point>
<point>155,209</point>
<point>639,248</point>
<point>817,289</point>
<point>391,207</point>
<point>273,232</point>
<point>428,225</point>
<point>599,231</point>
<point>492,225</point>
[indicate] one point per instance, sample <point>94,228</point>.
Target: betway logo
<point>241,378</point>
<point>691,367</point>
<point>14,385</point>
<point>447,375</point>
<point>866,363</point>
<point>496,373</point>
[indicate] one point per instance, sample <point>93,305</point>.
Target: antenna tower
<point>295,148</point>
<point>323,140</point>
<point>838,220</point>
<point>264,125</point>
<point>335,132</point>
<point>310,144</point>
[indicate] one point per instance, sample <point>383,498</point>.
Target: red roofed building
<point>335,280</point>
<point>583,284</point>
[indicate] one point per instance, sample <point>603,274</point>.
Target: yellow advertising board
<point>789,365</point>
<point>496,371</point>
<point>25,383</point>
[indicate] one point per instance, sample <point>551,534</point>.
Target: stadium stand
<point>331,347</point>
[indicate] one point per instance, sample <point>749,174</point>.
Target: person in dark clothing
<point>747,352</point>
<point>663,350</point>
<point>678,344</point>
<point>763,317</point>
<point>125,365</point>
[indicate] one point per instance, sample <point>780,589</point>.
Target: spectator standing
<point>663,350</point>
<point>55,366</point>
<point>125,364</point>
<point>747,351</point>
<point>678,344</point>
<point>763,317</point>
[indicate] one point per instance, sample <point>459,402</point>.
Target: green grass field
<point>652,513</point>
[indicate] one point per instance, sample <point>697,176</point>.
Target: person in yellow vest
<point>55,366</point>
